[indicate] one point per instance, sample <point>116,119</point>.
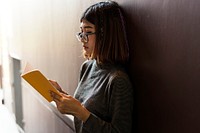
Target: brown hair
<point>111,44</point>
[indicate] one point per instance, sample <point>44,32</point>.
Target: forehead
<point>86,25</point>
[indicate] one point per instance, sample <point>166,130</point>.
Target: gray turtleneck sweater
<point>106,91</point>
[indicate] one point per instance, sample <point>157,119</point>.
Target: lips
<point>85,47</point>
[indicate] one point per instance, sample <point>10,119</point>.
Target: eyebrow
<point>85,27</point>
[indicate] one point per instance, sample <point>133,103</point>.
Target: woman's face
<point>87,27</point>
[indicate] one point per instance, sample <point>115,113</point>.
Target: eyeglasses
<point>83,37</point>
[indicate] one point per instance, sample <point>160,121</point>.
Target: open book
<point>39,82</point>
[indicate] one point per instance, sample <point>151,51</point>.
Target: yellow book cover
<point>39,82</point>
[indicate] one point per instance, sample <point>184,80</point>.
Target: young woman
<point>103,100</point>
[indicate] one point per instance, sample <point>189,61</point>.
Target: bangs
<point>89,15</point>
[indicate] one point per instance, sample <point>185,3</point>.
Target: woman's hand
<point>66,104</point>
<point>57,86</point>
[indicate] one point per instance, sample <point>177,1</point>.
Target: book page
<point>39,82</point>
<point>28,68</point>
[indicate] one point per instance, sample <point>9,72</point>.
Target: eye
<point>89,32</point>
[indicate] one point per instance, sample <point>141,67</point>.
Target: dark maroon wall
<point>164,37</point>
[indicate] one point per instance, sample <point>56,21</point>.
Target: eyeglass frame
<point>84,37</point>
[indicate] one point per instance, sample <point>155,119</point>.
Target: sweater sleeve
<point>120,109</point>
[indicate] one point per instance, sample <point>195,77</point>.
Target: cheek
<point>92,41</point>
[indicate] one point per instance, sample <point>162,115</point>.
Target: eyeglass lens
<point>82,37</point>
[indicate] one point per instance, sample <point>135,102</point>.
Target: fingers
<point>56,97</point>
<point>66,104</point>
<point>56,85</point>
<point>53,82</point>
<point>59,102</point>
<point>65,95</point>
